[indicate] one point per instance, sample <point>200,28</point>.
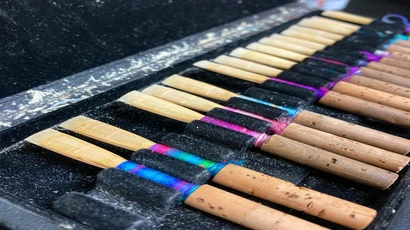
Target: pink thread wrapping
<point>260,138</point>
<point>277,126</point>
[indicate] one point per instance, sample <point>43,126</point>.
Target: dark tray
<point>33,178</point>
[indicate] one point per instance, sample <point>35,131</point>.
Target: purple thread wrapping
<point>320,92</point>
<point>277,126</point>
<point>260,138</point>
<point>407,29</point>
<point>352,71</point>
<point>373,57</point>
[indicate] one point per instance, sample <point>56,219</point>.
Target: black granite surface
<point>42,41</point>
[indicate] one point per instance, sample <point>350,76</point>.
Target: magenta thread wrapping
<point>320,92</point>
<point>260,138</point>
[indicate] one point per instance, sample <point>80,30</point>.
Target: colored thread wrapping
<point>212,166</point>
<point>277,126</point>
<point>159,177</point>
<point>320,92</point>
<point>292,112</point>
<point>387,17</point>
<point>260,138</point>
<point>329,60</point>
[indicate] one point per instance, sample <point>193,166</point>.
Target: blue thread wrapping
<point>156,176</point>
<point>292,112</point>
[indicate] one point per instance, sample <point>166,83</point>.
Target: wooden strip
<point>319,33</point>
<point>232,72</point>
<point>298,198</point>
<point>278,52</point>
<point>247,66</point>
<point>287,46</point>
<point>329,162</point>
<point>106,133</point>
<point>160,107</point>
<point>198,87</point>
<point>347,17</point>
<point>262,58</point>
<point>328,28</point>
<point>346,25</point>
<point>181,98</point>
<point>75,148</point>
<point>297,41</point>
<point>308,37</point>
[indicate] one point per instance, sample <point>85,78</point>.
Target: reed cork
<point>395,62</point>
<point>401,56</point>
<point>244,212</point>
<point>299,198</point>
<point>329,162</point>
<point>352,149</point>
<point>354,132</point>
<point>383,76</point>
<point>380,85</point>
<point>308,37</point>
<point>347,17</point>
<point>373,95</point>
<point>389,69</point>
<point>397,48</point>
<point>403,43</point>
<point>287,46</point>
<point>278,52</point>
<point>315,32</point>
<point>366,108</point>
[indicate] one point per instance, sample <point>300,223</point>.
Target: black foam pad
<point>97,214</point>
<point>219,135</point>
<point>351,48</point>
<point>201,148</point>
<point>316,71</point>
<point>326,65</point>
<point>303,79</point>
<point>275,97</point>
<point>172,166</point>
<point>295,91</point>
<point>257,108</point>
<point>135,188</point>
<point>248,122</point>
<point>346,59</point>
<point>342,53</point>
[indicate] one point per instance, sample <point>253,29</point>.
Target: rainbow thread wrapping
<point>213,167</point>
<point>277,126</point>
<point>260,138</point>
<point>159,177</point>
